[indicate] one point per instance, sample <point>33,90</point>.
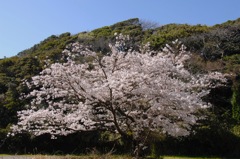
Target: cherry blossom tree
<point>127,92</point>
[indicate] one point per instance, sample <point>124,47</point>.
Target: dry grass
<point>108,157</point>
<point>82,157</point>
<point>90,156</point>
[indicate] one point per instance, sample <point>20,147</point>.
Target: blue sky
<point>27,22</point>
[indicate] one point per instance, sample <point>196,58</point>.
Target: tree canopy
<point>125,92</point>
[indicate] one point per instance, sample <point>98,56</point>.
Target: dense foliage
<point>214,48</point>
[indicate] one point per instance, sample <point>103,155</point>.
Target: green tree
<point>236,102</point>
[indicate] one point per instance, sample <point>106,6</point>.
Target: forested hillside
<point>213,48</point>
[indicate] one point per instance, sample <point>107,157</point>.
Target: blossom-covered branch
<point>126,92</point>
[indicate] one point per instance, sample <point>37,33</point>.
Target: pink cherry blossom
<point>123,92</point>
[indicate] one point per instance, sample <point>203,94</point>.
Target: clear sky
<point>24,23</point>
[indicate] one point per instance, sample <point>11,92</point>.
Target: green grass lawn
<point>177,157</point>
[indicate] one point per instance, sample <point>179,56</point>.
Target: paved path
<point>16,157</point>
